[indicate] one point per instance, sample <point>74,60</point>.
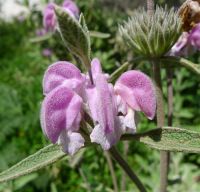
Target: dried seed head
<point>152,36</point>
<point>190,14</point>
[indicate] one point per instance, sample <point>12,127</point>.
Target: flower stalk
<point>160,123</point>
<point>115,154</point>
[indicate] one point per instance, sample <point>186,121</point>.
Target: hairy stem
<point>160,123</point>
<point>115,154</point>
<point>170,96</point>
<point>170,106</point>
<point>150,7</point>
<point>112,171</point>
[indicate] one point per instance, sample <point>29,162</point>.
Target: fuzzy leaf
<point>40,159</point>
<point>75,36</point>
<point>177,62</point>
<point>169,139</point>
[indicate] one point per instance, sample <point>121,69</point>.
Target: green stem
<point>160,123</point>
<point>170,61</point>
<point>115,154</point>
<point>125,154</point>
<point>114,76</point>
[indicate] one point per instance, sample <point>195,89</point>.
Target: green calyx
<point>152,36</point>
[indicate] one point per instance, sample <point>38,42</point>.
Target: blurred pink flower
<point>112,108</point>
<point>40,32</point>
<point>49,17</point>
<point>188,43</point>
<point>47,52</point>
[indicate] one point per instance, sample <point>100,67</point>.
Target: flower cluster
<point>69,95</point>
<point>188,43</point>
<point>49,17</point>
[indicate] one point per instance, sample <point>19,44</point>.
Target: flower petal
<point>71,142</point>
<point>105,139</point>
<point>96,67</point>
<point>62,72</point>
<point>129,122</point>
<point>91,100</point>
<point>60,109</point>
<point>103,107</point>
<point>137,90</point>
<point>104,104</point>
<point>121,105</point>
<point>194,37</point>
<point>71,7</point>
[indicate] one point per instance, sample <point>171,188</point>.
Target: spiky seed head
<point>152,36</point>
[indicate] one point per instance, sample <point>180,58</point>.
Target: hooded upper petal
<point>104,111</point>
<point>71,7</point>
<point>137,90</point>
<point>60,111</point>
<point>104,104</point>
<point>60,73</point>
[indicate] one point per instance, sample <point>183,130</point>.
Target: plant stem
<point>160,123</point>
<point>150,7</point>
<point>110,165</point>
<point>123,181</point>
<point>115,154</point>
<point>170,96</point>
<point>170,106</point>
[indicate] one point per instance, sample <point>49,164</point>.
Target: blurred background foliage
<point>22,64</point>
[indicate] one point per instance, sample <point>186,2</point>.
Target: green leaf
<point>40,159</point>
<point>177,62</point>
<point>169,139</point>
<point>75,35</point>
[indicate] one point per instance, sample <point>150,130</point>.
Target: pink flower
<point>49,18</point>
<point>112,108</point>
<point>62,107</point>
<point>47,52</point>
